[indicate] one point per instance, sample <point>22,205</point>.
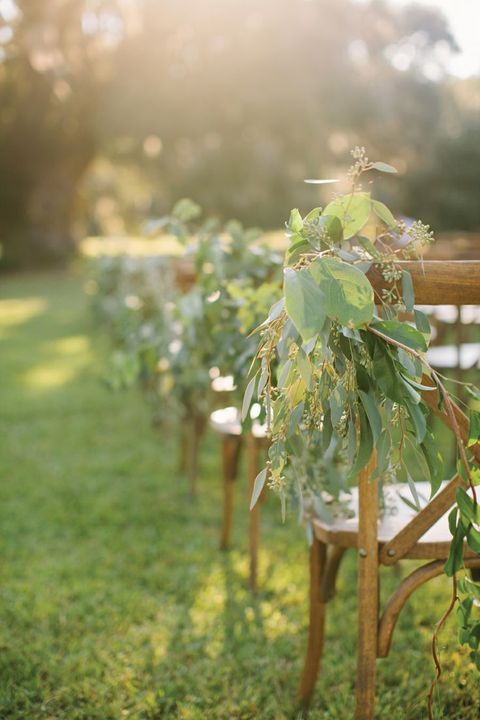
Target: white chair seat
<point>465,356</point>
<point>224,384</point>
<point>344,530</point>
<point>227,422</point>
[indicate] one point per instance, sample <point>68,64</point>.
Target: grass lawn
<point>114,600</point>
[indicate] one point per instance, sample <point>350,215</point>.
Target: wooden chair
<point>386,540</point>
<point>226,422</point>
<point>193,429</point>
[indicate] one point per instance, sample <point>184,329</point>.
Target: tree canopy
<point>120,107</point>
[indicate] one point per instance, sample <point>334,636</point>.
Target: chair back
<point>435,283</point>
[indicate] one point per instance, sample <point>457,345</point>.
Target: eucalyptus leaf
<point>467,507</point>
<point>295,222</point>
<point>384,444</point>
<point>472,391</point>
<point>352,210</point>
<point>385,374</point>
<point>275,311</point>
<point>413,490</point>
<point>312,215</point>
<point>258,487</point>
<point>422,322</point>
<point>453,520</point>
<point>304,367</point>
<point>382,212</point>
<point>308,346</point>
<point>455,556</point>
<point>338,401</point>
<point>295,419</point>
<point>434,461</point>
<point>315,181</point>
<point>384,167</point>
<point>374,418</point>
<point>411,394</point>
<point>402,333</point>
<point>418,386</point>
<point>348,295</point>
<point>474,428</point>
<point>247,398</point>
<point>414,460</point>
<point>367,245</point>
<point>304,302</point>
<point>408,294</point>
<point>473,539</point>
<point>262,381</point>
<point>410,363</point>
<point>418,419</point>
<point>365,446</point>
<point>283,374</point>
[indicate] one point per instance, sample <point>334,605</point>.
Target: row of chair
<point>378,539</point>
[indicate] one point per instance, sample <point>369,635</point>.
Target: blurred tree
<point>451,171</point>
<point>55,58</point>
<point>232,102</point>
<point>241,99</point>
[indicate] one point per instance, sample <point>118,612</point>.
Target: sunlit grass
<point>68,357</point>
<point>114,599</point>
<point>16,311</point>
<point>166,245</point>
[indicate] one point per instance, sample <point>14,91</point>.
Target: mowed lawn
<point>114,599</point>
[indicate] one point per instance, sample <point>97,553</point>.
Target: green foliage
<point>348,296</point>
<point>350,378</point>
<point>179,340</point>
<point>304,302</point>
<point>132,297</point>
<point>352,210</point>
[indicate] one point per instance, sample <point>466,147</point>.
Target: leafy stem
<point>446,397</point>
<point>438,627</point>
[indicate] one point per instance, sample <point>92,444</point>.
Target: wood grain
<point>398,599</point>
<point>231,446</point>
<point>316,628</point>
<point>437,282</point>
<point>368,593</point>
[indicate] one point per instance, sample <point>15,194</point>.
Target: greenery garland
<point>340,373</point>
<point>175,340</point>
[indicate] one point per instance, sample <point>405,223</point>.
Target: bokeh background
<point>115,601</point>
<point>110,110</point>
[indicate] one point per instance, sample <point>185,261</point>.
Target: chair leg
<point>316,629</point>
<point>253,460</point>
<point>196,428</point>
<point>367,638</point>
<point>368,596</point>
<point>230,456</point>
<point>183,449</point>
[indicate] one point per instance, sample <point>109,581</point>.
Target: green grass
<point>114,600</point>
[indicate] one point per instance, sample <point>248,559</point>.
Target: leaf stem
<point>438,627</point>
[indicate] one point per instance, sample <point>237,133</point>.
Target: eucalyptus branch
<point>446,396</point>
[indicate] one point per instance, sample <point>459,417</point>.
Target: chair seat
<point>227,421</point>
<point>465,356</point>
<point>224,384</point>
<point>343,531</point>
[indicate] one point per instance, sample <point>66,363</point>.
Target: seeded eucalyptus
<point>340,371</point>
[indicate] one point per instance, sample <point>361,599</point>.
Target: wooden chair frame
<point>435,283</point>
<point>232,446</point>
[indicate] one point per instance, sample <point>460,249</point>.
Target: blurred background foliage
<point>110,110</point>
